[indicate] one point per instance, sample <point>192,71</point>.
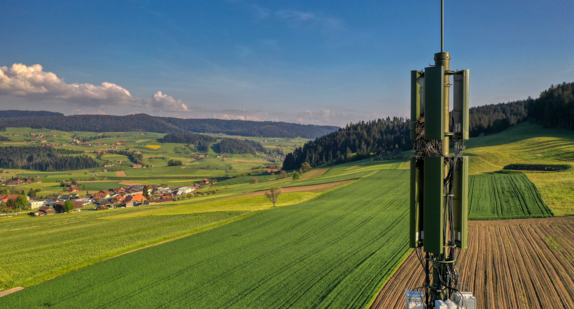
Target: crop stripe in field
<point>520,197</point>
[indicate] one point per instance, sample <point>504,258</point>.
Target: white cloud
<point>298,18</point>
<point>260,12</point>
<point>164,102</point>
<point>32,82</point>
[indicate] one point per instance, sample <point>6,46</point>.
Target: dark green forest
<point>495,118</point>
<point>237,146</point>
<point>43,159</point>
<point>187,138</point>
<point>554,107</point>
<point>16,114</point>
<point>362,138</point>
<point>201,142</point>
<point>4,138</point>
<point>147,123</point>
<point>225,145</point>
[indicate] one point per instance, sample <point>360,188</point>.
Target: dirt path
<point>121,174</point>
<point>313,188</point>
<point>315,173</point>
<point>10,291</point>
<point>525,263</point>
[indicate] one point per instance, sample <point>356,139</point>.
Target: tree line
<point>362,138</point>
<point>237,146</point>
<point>554,107</point>
<point>136,158</point>
<point>493,118</point>
<point>43,159</point>
<point>187,138</point>
<point>147,123</point>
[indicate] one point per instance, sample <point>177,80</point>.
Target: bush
<point>305,167</point>
<point>68,206</point>
<point>173,162</point>
<point>253,181</point>
<point>296,176</point>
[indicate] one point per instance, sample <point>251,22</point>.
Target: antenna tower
<point>439,182</point>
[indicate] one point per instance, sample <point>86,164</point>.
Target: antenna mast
<point>439,182</point>
<point>442,26</point>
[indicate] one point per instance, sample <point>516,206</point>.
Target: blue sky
<point>322,62</point>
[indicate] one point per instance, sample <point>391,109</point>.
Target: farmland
<point>504,196</point>
<point>509,264</point>
<point>213,166</point>
<point>93,236</point>
<point>335,251</point>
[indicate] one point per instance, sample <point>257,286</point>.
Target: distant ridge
<point>147,123</point>
<point>16,113</point>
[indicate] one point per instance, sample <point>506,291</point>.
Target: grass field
<point>333,251</point>
<point>505,196</point>
<point>93,236</point>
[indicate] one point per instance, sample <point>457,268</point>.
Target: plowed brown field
<point>527,263</point>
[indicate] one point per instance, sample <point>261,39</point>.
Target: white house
<point>35,204</point>
<point>184,190</point>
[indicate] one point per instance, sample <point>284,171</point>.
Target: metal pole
<point>442,26</point>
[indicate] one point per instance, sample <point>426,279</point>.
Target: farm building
<point>134,200</point>
<point>35,204</point>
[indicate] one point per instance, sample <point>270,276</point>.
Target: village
<point>128,196</point>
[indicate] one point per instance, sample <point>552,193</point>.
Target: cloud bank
<point>32,82</point>
<point>164,102</point>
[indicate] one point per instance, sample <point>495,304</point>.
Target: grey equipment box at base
<point>462,300</point>
<point>414,300</point>
<point>465,300</point>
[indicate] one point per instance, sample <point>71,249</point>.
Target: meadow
<point>76,240</point>
<point>505,196</point>
<point>334,251</point>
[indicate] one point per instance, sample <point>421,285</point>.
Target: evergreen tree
<point>146,192</point>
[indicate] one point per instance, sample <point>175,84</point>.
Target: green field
<point>505,196</point>
<point>333,251</point>
<point>75,240</point>
<point>530,144</point>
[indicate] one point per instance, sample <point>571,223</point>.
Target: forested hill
<point>15,113</point>
<point>554,108</point>
<point>147,123</point>
<point>362,138</point>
